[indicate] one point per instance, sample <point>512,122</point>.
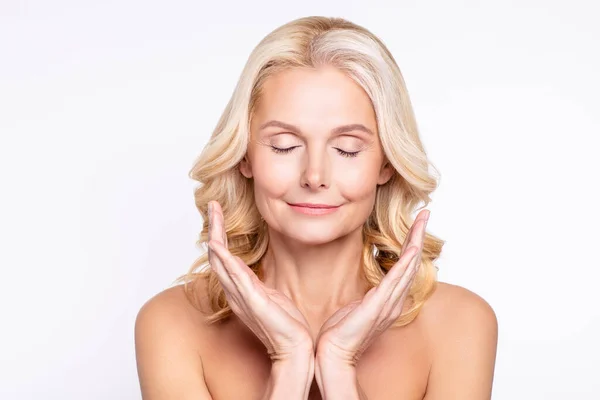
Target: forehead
<point>314,98</point>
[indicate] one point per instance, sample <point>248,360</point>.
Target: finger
<point>381,293</point>
<point>239,274</point>
<point>213,234</point>
<point>217,265</point>
<point>412,234</point>
<point>401,290</point>
<point>236,295</point>
<point>393,276</point>
<point>235,266</point>
<point>217,222</point>
<point>221,224</point>
<point>396,308</point>
<point>235,299</point>
<point>416,241</point>
<point>398,291</point>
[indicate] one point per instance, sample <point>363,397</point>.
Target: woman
<point>319,284</point>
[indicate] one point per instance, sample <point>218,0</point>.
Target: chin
<point>313,241</point>
<point>313,235</point>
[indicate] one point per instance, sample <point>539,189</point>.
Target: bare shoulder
<point>452,304</point>
<point>170,312</point>
<point>169,333</point>
<point>174,303</point>
<point>462,331</point>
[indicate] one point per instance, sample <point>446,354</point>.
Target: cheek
<point>358,180</point>
<point>272,175</point>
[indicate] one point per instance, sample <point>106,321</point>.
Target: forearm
<point>338,381</point>
<point>291,379</point>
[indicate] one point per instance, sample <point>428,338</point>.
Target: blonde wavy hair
<point>311,42</point>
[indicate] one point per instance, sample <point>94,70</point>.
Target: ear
<point>385,174</point>
<point>246,167</point>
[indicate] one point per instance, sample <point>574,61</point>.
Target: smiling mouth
<point>313,209</point>
<point>311,205</point>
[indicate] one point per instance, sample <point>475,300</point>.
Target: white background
<point>105,105</point>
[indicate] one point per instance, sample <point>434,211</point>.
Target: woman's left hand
<point>349,331</point>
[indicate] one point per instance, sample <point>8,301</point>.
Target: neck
<point>319,279</point>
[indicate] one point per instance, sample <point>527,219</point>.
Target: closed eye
<point>348,153</point>
<point>289,149</point>
<point>283,151</point>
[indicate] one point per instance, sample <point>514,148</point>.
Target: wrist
<point>291,377</point>
<point>337,379</point>
<point>334,368</point>
<point>331,359</point>
<point>298,361</point>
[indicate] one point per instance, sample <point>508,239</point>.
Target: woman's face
<point>314,140</point>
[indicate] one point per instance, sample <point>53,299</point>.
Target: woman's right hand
<point>272,316</point>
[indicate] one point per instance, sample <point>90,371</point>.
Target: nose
<point>316,171</point>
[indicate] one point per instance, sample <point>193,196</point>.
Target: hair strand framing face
<point>312,42</point>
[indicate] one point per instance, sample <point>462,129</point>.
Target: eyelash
<point>342,152</point>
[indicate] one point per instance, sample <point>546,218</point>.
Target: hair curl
<point>311,42</point>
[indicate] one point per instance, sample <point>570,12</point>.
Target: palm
<point>343,334</point>
<point>280,300</point>
<point>350,330</point>
<point>268,313</point>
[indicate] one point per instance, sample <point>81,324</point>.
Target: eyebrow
<point>338,130</point>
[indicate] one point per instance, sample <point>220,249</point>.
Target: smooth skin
<point>284,331</point>
<point>314,139</point>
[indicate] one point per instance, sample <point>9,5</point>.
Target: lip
<point>312,205</point>
<point>313,209</point>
